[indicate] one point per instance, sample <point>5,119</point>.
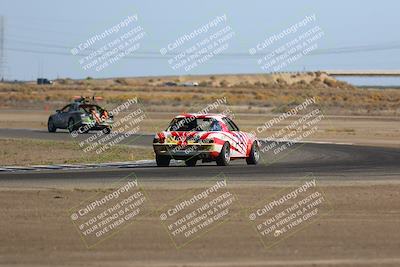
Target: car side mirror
<point>58,111</point>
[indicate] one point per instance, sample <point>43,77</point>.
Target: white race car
<point>206,137</point>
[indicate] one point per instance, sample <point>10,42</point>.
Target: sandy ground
<point>361,230</point>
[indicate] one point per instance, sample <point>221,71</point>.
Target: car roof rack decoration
<point>86,100</point>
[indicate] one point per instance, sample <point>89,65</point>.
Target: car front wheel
<point>107,130</point>
<point>51,127</point>
<point>191,162</point>
<point>71,125</point>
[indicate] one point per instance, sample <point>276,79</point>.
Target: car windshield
<point>194,124</point>
<point>89,108</point>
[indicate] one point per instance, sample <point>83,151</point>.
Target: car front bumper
<point>185,151</point>
<point>94,124</point>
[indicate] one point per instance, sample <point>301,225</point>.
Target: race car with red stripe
<point>205,137</point>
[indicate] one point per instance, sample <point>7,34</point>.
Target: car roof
<point>201,115</point>
<point>87,104</point>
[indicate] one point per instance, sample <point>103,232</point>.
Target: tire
<point>71,125</point>
<point>51,127</point>
<point>254,156</point>
<point>191,162</point>
<point>225,156</point>
<point>162,161</point>
<point>107,130</point>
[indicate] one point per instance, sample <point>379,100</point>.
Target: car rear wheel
<point>225,156</point>
<point>84,129</point>
<point>107,130</point>
<point>254,156</point>
<point>51,127</point>
<point>162,161</point>
<point>191,162</point>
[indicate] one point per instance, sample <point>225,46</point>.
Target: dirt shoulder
<point>360,130</point>
<point>25,152</point>
<point>361,230</point>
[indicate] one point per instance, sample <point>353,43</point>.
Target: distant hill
<point>221,80</point>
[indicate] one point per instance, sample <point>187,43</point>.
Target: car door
<point>64,116</point>
<point>238,144</point>
<point>242,136</point>
<point>59,117</point>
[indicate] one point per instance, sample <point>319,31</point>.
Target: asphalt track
<point>63,135</point>
<point>329,162</point>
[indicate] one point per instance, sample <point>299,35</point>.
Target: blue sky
<point>39,34</point>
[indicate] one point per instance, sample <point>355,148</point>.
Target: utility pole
<point>2,55</point>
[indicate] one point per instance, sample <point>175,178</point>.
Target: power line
<point>156,54</point>
<point>2,54</point>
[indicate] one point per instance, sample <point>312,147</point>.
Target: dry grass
<point>256,93</point>
<point>33,152</point>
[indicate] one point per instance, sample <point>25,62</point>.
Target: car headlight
<point>158,140</point>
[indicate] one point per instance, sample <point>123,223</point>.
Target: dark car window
<point>74,107</point>
<point>231,125</point>
<point>215,126</point>
<point>194,124</point>
<point>66,108</point>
